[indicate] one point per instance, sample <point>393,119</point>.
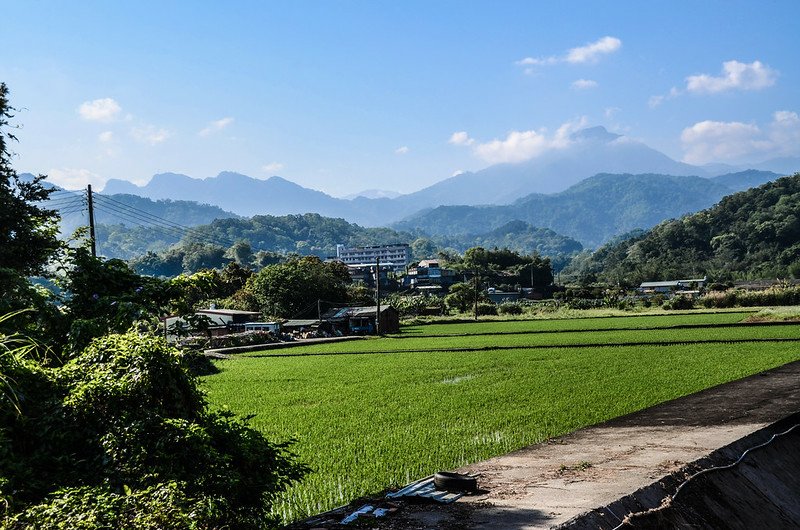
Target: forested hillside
<point>751,234</point>
<point>596,209</point>
<point>258,240</point>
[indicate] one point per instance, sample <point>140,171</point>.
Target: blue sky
<point>345,96</point>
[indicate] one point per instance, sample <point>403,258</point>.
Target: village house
<point>428,276</point>
<point>217,322</point>
<point>361,320</point>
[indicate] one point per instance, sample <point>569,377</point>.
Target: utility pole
<point>531,276</point>
<point>378,296</point>
<point>91,219</point>
<point>477,286</point>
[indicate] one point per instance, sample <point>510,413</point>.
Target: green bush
<point>487,308</point>
<point>510,308</point>
<point>586,303</point>
<point>778,295</point>
<point>679,302</point>
<point>121,437</point>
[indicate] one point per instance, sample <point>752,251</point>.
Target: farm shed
<point>361,320</point>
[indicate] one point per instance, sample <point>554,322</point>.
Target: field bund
<point>372,414</point>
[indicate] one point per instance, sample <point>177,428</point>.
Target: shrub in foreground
<point>121,437</point>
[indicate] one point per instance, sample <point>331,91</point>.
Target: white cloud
<point>519,146</point>
<point>73,179</point>
<point>105,137</point>
<point>735,76</point>
<point>655,101</point>
<point>516,147</point>
<point>272,167</point>
<point>402,150</point>
<point>461,138</point>
<point>150,134</point>
<point>583,84</point>
<point>457,172</point>
<point>784,133</point>
<point>611,111</point>
<point>590,53</point>
<point>216,126</point>
<point>593,51</point>
<point>102,110</point>
<point>714,141</point>
<point>532,61</point>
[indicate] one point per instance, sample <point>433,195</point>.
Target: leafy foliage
<point>106,296</point>
<point>291,289</point>
<point>120,437</point>
<point>28,232</point>
<point>263,239</point>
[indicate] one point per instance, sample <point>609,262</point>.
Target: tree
<point>28,238</point>
<point>28,232</point>
<point>423,248</point>
<point>462,296</point>
<point>291,289</point>
<point>199,256</point>
<point>107,296</point>
<point>241,253</point>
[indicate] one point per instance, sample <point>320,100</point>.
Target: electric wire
<point>154,220</point>
<point>65,200</point>
<point>170,231</point>
<point>124,216</point>
<point>140,217</point>
<point>70,211</point>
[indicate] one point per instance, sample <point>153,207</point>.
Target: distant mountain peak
<point>232,175</point>
<point>595,134</point>
<point>373,194</point>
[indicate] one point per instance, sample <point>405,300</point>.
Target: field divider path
<point>531,347</point>
<point>595,330</point>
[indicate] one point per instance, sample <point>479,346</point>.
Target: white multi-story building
<point>397,256</point>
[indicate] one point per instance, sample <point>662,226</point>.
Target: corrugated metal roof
<point>344,312</point>
<point>672,283</point>
<point>300,323</point>
<point>227,312</point>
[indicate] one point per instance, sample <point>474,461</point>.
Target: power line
<point>188,229</point>
<point>133,217</point>
<point>143,222</point>
<point>153,219</point>
<point>138,221</point>
<point>70,211</point>
<point>66,205</point>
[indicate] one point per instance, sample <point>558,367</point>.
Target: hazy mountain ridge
<point>587,153</point>
<point>248,196</point>
<point>597,208</point>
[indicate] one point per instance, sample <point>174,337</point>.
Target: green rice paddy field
<point>375,413</point>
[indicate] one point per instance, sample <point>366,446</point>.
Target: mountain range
<point>587,153</point>
<point>596,209</point>
<point>749,234</point>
